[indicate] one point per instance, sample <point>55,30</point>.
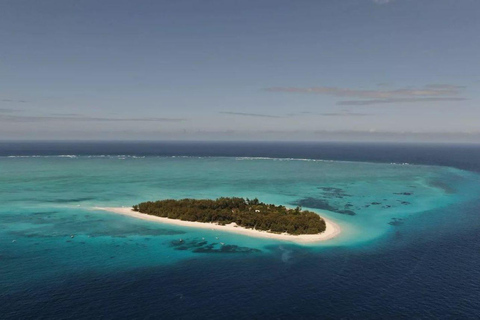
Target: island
<point>246,216</point>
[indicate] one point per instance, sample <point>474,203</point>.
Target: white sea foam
<point>74,156</point>
<point>124,157</point>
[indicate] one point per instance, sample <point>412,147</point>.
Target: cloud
<point>249,114</point>
<point>372,94</point>
<point>13,100</point>
<point>7,110</point>
<point>430,92</point>
<point>441,86</point>
<point>382,1</point>
<point>80,118</point>
<point>384,84</point>
<point>344,114</point>
<point>386,101</point>
<point>65,114</point>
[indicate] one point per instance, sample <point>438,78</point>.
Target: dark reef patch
<point>37,233</point>
<point>331,192</point>
<point>403,193</point>
<point>225,249</point>
<point>442,185</point>
<point>396,222</point>
<point>68,200</point>
<point>43,213</point>
<point>321,204</point>
<point>202,246</point>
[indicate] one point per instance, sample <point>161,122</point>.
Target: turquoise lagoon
<point>49,226</point>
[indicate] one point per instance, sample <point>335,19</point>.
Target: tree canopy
<point>247,213</point>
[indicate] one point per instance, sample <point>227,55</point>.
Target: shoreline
<point>331,231</point>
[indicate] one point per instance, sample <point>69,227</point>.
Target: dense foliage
<point>244,212</point>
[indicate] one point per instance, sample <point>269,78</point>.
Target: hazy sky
<point>204,69</point>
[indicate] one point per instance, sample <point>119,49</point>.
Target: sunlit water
<point>52,238</point>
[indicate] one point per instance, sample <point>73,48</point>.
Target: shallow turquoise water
<point>408,248</point>
<point>48,224</point>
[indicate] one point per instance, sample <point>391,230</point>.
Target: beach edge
<point>332,229</point>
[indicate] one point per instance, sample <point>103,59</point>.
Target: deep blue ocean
<point>409,247</point>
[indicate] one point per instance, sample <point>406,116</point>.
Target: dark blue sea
<point>409,247</point>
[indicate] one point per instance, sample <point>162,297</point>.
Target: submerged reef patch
<point>202,246</point>
<point>322,204</point>
<point>441,185</point>
<point>68,200</point>
<point>331,192</point>
<point>396,222</point>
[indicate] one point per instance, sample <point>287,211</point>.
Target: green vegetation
<point>244,212</point>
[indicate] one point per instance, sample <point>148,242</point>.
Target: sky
<point>373,70</point>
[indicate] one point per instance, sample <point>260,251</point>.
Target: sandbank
<point>332,229</point>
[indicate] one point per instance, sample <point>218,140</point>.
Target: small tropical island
<point>239,215</point>
<point>246,213</point>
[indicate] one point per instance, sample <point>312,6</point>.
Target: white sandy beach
<point>332,229</point>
